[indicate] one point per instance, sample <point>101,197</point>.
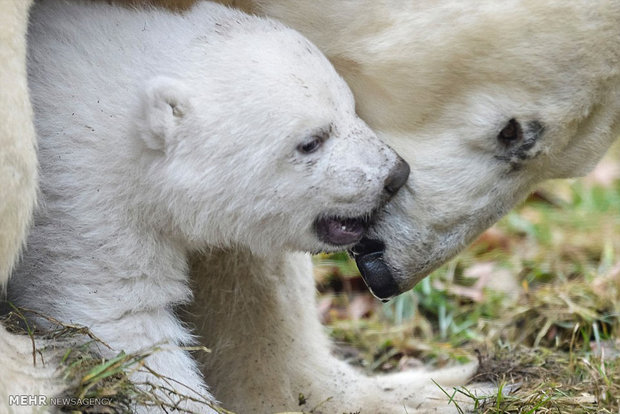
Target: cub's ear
<point>165,102</point>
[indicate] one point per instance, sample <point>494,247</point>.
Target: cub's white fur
<point>163,136</point>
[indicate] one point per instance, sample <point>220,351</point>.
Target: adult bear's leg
<point>258,315</point>
<point>18,158</point>
<point>18,187</point>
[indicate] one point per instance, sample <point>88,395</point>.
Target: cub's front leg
<point>169,373</point>
<point>259,318</point>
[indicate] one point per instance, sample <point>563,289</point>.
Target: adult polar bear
<point>440,81</point>
<point>485,99</point>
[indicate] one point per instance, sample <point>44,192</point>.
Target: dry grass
<point>95,384</point>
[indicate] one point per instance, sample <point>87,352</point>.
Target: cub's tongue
<point>340,232</point>
<point>376,273</point>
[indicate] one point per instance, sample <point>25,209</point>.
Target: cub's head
<point>256,143</point>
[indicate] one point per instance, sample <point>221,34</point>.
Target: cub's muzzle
<point>397,177</point>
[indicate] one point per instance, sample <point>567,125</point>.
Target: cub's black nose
<point>376,273</point>
<point>397,177</point>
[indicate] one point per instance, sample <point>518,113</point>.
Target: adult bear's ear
<point>165,103</point>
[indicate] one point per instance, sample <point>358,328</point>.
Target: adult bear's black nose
<point>397,178</point>
<point>368,254</point>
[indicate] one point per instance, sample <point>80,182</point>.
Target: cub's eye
<point>511,133</point>
<point>310,146</point>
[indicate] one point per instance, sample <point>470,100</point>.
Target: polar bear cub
<point>163,134</point>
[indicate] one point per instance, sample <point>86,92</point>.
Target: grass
<point>99,385</point>
<point>536,299</point>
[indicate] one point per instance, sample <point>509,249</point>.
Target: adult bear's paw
<point>420,391</point>
<point>440,391</point>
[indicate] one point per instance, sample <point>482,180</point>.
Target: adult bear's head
<point>484,99</point>
<point>254,141</point>
<point>485,108</point>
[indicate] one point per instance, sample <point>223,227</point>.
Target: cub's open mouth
<point>340,231</point>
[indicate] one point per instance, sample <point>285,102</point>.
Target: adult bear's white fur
<point>18,164</point>
<point>166,135</point>
<point>439,81</point>
<point>18,177</point>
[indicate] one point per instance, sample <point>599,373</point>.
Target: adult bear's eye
<point>310,146</point>
<point>511,133</point>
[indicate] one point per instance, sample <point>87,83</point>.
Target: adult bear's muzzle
<point>368,255</point>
